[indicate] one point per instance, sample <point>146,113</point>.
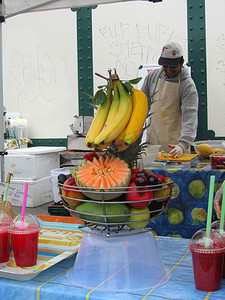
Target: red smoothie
<point>25,245</point>
<point>207,265</point>
<point>4,245</point>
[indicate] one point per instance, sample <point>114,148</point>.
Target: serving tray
<point>57,241</point>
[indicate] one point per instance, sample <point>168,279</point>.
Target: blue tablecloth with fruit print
<point>187,211</point>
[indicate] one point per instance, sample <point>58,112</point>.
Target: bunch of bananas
<point>120,119</point>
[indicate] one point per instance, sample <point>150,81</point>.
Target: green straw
<point>7,187</point>
<point>209,212</point>
<point>222,212</point>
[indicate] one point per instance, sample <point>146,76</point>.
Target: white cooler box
<point>40,191</point>
<point>32,163</point>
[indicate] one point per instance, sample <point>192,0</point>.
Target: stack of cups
<point>5,241</point>
<point>207,260</point>
<point>25,240</point>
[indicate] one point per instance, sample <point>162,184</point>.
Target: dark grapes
<point>61,178</point>
<point>153,179</point>
<point>141,180</point>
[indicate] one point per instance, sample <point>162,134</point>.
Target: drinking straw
<point>209,212</point>
<point>7,182</point>
<point>222,212</point>
<point>24,206</point>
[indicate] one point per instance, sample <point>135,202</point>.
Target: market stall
<point>175,252</point>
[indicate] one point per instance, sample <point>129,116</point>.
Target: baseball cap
<point>171,54</point>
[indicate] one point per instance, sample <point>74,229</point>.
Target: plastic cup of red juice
<point>216,225</point>
<point>5,241</point>
<point>207,262</point>
<point>25,240</point>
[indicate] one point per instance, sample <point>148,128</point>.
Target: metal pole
<point>1,110</point>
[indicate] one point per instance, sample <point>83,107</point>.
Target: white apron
<point>165,127</point>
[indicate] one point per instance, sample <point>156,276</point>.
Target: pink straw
<point>24,206</point>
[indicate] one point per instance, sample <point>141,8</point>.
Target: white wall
<point>40,70</point>
<point>127,35</point>
<point>40,57</point>
<point>215,43</point>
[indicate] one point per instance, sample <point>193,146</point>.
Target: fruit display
<point>120,117</point>
<point>115,193</point>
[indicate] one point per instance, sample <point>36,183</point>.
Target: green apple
<point>138,217</point>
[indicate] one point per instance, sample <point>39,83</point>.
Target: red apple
<point>68,192</point>
<point>140,194</point>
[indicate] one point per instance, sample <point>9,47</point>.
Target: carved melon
<point>103,173</point>
<point>204,150</point>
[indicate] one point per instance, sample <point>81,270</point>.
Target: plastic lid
<point>5,220</point>
<point>35,150</point>
<point>29,222</point>
<point>216,225</point>
<point>197,242</point>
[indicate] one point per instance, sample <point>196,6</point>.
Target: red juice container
<point>207,262</point>
<point>5,241</point>
<point>25,240</point>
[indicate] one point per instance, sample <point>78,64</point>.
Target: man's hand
<point>218,201</point>
<point>177,151</point>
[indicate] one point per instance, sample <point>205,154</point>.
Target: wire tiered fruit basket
<point>106,224</point>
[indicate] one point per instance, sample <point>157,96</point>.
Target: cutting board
<point>184,157</point>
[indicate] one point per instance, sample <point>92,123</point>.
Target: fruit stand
<point>114,200</point>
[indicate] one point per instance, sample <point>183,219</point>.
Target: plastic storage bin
<point>40,191</point>
<point>32,163</point>
<point>121,263</point>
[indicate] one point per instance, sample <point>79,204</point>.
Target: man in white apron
<point>175,110</point>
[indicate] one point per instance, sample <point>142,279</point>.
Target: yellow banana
<point>121,119</point>
<point>101,147</point>
<point>99,120</point>
<point>113,108</point>
<point>138,117</point>
<point>110,118</point>
<point>121,148</point>
<point>119,140</point>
